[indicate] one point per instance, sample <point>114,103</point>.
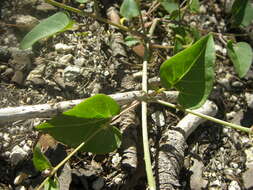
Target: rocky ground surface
<point>91,59</point>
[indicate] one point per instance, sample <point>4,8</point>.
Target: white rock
<point>6,137</point>
<point>26,148</point>
<point>98,183</point>
<point>17,155</point>
<point>202,9</point>
<point>65,59</point>
<point>225,83</point>
<point>80,62</point>
<point>26,22</point>
<point>70,73</point>
<point>158,118</point>
<point>231,115</point>
<point>249,99</point>
<point>237,84</point>
<point>234,186</point>
<point>116,160</point>
<point>20,188</point>
<point>60,47</point>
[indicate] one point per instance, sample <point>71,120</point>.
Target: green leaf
<point>52,184</point>
<point>242,13</point>
<point>194,5</point>
<point>129,9</point>
<point>248,16</point>
<point>87,121</point>
<point>169,5</point>
<point>241,55</point>
<point>40,161</point>
<point>58,22</point>
<point>191,72</point>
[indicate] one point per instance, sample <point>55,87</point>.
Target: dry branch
<point>172,147</point>
<point>48,110</point>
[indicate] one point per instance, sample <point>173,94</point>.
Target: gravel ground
<point>88,60</point>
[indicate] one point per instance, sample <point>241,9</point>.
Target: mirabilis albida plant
<point>87,126</point>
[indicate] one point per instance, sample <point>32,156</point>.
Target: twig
<point>48,110</point>
<point>173,145</point>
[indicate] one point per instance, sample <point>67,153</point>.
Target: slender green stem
<point>55,169</point>
<point>147,159</point>
<point>75,10</point>
<point>234,126</point>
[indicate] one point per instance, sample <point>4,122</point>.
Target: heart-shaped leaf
<point>194,5</point>
<point>242,13</point>
<point>40,161</point>
<point>129,9</point>
<point>241,55</point>
<point>58,22</point>
<point>169,5</point>
<point>87,122</point>
<point>191,72</point>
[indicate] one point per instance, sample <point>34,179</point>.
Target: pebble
<point>26,22</point>
<point>18,77</point>
<point>98,183</point>
<point>17,155</point>
<point>116,160</point>
<point>158,118</point>
<point>237,84</point>
<point>65,60</point>
<point>45,7</point>
<point>70,73</point>
<point>249,99</point>
<point>80,61</point>
<point>225,83</point>
<point>202,9</point>
<point>234,186</point>
<point>63,48</point>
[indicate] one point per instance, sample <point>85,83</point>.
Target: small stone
<point>237,84</point>
<point>225,82</point>
<point>249,99</point>
<point>116,160</point>
<point>17,155</point>
<point>106,73</point>
<point>234,186</point>
<point>46,7</point>
<point>158,118</point>
<point>215,183</point>
<point>98,183</point>
<point>80,62</point>
<point>70,73</point>
<point>38,81</point>
<point>8,73</point>
<point>66,59</point>
<point>6,137</point>
<point>26,22</point>
<point>202,9</point>
<point>60,47</point>
<point>18,77</point>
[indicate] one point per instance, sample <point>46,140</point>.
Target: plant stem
<point>231,125</point>
<point>75,10</point>
<point>55,169</point>
<point>147,159</point>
